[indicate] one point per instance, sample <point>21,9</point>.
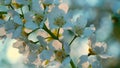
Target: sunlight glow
<point>12,54</point>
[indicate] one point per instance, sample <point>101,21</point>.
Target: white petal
<point>88,31</point>
<point>78,48</point>
<point>12,13</point>
<point>22,2</point>
<point>30,65</point>
<point>2,22</point>
<point>105,56</point>
<point>32,57</point>
<point>9,26</point>
<point>2,31</point>
<point>7,2</point>
<point>55,13</point>
<point>66,63</point>
<point>3,8</point>
<point>96,64</point>
<point>33,37</point>
<point>42,41</point>
<point>68,35</point>
<point>57,45</point>
<point>31,25</point>
<point>46,55</point>
<point>105,29</point>
<point>53,64</point>
<point>100,47</point>
<point>66,47</point>
<point>28,16</point>
<point>48,1</point>
<point>36,6</point>
<point>17,32</point>
<point>81,21</point>
<point>83,63</point>
<point>17,20</point>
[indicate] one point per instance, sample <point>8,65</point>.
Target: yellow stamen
<point>60,55</point>
<point>91,52</point>
<point>24,20</point>
<point>2,16</point>
<point>24,33</point>
<point>46,62</point>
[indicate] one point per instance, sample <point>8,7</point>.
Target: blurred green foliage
<point>116,26</point>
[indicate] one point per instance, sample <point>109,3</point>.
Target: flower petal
<point>31,25</point>
<point>46,55</point>
<point>17,32</point>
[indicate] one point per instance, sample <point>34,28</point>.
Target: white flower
<point>95,56</point>
<point>16,24</point>
<point>98,48</point>
<point>56,18</point>
<point>78,21</point>
<point>77,17</point>
<point>11,28</point>
<point>19,25</point>
<point>16,17</point>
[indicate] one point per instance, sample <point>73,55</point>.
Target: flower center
<point>59,21</point>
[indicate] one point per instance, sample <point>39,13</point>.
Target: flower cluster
<point>52,36</point>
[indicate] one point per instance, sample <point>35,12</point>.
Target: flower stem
<point>72,64</point>
<point>29,7</point>
<point>49,32</point>
<point>11,7</point>
<point>58,32</point>
<point>33,31</point>
<point>72,40</point>
<point>22,12</point>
